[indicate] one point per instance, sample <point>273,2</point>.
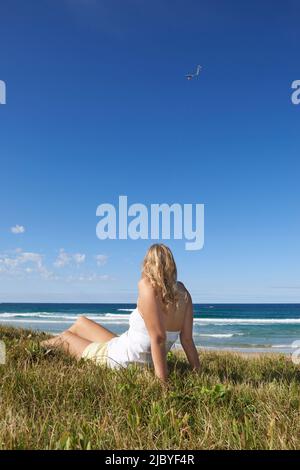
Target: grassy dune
<point>49,401</point>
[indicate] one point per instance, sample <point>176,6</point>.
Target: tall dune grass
<point>49,401</point>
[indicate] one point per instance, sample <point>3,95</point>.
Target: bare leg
<point>91,330</point>
<point>83,328</point>
<point>69,342</point>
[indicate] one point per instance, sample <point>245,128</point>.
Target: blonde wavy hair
<point>160,269</point>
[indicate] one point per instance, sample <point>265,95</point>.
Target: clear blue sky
<point>98,106</point>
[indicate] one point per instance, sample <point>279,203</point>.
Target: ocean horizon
<point>237,327</point>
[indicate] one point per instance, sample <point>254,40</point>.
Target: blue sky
<point>98,106</point>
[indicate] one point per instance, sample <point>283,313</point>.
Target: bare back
<point>158,320</point>
<point>174,314</point>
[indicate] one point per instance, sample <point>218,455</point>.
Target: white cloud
<point>101,259</point>
<point>28,264</point>
<point>62,260</point>
<point>79,258</point>
<point>29,257</point>
<point>89,278</point>
<point>23,262</point>
<point>17,229</point>
<point>65,259</point>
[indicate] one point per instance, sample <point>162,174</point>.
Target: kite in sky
<point>189,76</point>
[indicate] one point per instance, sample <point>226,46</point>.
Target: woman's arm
<point>186,336</point>
<point>153,316</point>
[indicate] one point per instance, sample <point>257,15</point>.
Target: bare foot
<point>53,342</point>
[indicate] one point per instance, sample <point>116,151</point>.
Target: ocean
<point>240,327</point>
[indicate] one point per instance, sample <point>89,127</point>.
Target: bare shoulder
<point>147,301</point>
<point>184,291</point>
<point>145,288</point>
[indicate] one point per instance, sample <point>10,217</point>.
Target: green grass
<point>50,401</point>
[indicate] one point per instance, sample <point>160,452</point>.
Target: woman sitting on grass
<point>164,312</point>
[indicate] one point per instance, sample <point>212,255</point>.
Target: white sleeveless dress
<point>134,346</point>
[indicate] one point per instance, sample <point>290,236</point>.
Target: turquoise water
<point>254,327</point>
